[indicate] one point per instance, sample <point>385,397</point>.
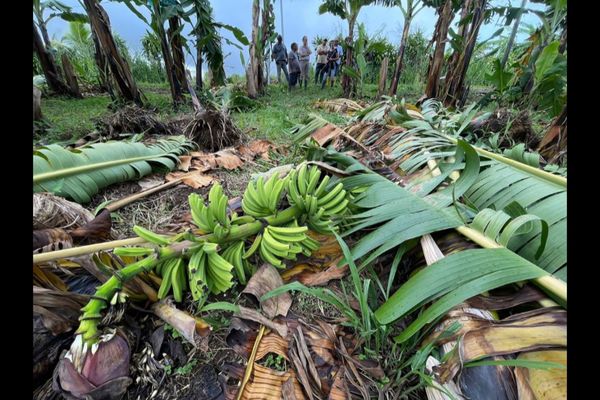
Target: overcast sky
<point>300,17</point>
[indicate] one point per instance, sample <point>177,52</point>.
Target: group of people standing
<point>328,64</point>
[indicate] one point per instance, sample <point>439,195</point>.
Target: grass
<point>278,111</point>
<point>71,119</point>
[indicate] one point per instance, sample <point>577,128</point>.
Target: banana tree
<point>263,33</point>
<point>472,17</point>
<point>56,9</point>
<point>113,59</point>
<point>49,66</point>
<point>208,40</point>
<point>412,8</point>
<point>445,10</point>
<point>42,45</point>
<point>162,11</point>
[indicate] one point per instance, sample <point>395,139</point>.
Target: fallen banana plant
<point>206,261</point>
<point>79,174</point>
<point>494,201</point>
<point>344,106</point>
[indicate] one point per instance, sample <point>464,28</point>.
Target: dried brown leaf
<point>228,159</point>
<point>326,133</point>
<point>185,163</point>
<point>516,335</point>
<point>94,231</point>
<point>187,325</point>
<point>51,239</point>
<point>253,315</point>
<point>195,179</point>
<point>264,280</point>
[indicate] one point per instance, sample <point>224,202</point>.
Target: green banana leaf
<point>452,280</point>
<point>501,184</point>
<point>80,174</point>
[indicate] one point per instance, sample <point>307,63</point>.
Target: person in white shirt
<point>322,51</point>
<point>304,57</point>
<point>340,61</point>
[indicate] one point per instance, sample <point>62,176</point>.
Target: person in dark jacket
<point>294,66</point>
<point>330,68</point>
<point>280,56</point>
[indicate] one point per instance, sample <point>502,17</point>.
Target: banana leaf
<point>80,174</point>
<point>501,184</point>
<point>451,281</point>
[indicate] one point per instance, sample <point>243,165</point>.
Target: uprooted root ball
<point>212,130</point>
<point>132,119</point>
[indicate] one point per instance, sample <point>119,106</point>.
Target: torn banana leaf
<point>512,335</point>
<point>542,384</point>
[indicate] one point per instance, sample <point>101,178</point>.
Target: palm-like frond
<point>501,184</point>
<point>79,174</point>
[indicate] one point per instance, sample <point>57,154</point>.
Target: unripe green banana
<point>132,251</point>
<point>150,236</point>
<point>253,247</point>
<point>331,195</point>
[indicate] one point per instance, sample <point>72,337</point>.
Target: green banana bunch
<point>261,198</point>
<point>207,218</point>
<point>208,270</point>
<point>309,244</point>
<point>310,194</point>
<point>233,254</point>
<point>173,276</point>
<point>279,242</point>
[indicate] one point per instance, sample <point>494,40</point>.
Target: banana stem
<point>88,326</point>
<point>556,179</point>
<point>549,283</point>
<point>237,232</point>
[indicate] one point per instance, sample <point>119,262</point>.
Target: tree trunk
<point>198,64</point>
<point>37,108</point>
<point>382,77</point>
<point>177,50</point>
<point>398,68</point>
<point>454,85</point>
<point>563,42</point>
<point>439,37</point>
<point>253,74</point>
<point>176,93</point>
<point>103,69</point>
<point>266,30</point>
<point>118,66</point>
<point>346,81</point>
<point>45,36</point>
<point>49,66</point>
<point>70,76</point>
<point>513,34</point>
<point>553,146</point>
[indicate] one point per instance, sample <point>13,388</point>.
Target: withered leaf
<point>264,280</point>
<point>326,133</point>
<point>50,240</point>
<point>195,179</point>
<point>187,325</point>
<point>228,159</point>
<point>253,315</point>
<point>185,162</point>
